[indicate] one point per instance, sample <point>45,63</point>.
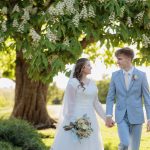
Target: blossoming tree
<point>48,34</point>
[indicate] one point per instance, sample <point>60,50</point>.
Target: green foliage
<point>7,61</point>
<point>20,134</point>
<point>8,146</point>
<point>48,32</point>
<point>103,86</point>
<point>54,95</point>
<point>5,145</point>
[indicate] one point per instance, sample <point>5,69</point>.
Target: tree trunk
<point>30,97</point>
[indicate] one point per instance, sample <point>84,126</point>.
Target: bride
<point>81,97</point>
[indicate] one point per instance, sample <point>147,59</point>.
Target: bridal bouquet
<point>81,127</point>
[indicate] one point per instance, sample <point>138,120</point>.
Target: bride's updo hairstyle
<point>78,70</point>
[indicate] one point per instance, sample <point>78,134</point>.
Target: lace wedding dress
<point>80,101</point>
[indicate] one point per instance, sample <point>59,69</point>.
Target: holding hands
<point>109,122</point>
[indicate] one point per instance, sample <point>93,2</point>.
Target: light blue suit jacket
<point>129,100</point>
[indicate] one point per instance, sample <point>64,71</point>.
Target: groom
<point>128,86</point>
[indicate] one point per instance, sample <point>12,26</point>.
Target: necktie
<point>126,80</point>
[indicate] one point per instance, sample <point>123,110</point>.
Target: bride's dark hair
<point>78,70</point>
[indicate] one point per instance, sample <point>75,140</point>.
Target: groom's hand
<point>109,122</point>
<point>148,126</point>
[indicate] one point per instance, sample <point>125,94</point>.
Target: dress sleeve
<point>98,107</point>
<point>70,96</point>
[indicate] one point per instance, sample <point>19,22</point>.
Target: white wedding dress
<point>79,102</point>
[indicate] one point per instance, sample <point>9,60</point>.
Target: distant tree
<point>55,94</point>
<point>103,86</point>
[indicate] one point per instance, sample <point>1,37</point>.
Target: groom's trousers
<point>129,134</point>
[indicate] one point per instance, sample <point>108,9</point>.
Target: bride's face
<point>87,68</point>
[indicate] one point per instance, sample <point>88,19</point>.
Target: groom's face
<point>123,61</point>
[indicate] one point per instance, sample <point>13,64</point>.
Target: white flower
<point>146,41</point>
<point>30,56</point>
<point>35,36</point>
<point>21,26</point>
<point>112,17</point>
<point>129,22</point>
<point>83,2</point>
<point>59,8</point>
<point>122,11</point>
<point>130,1</point>
<point>29,8</point>
<point>134,77</point>
<point>24,50</point>
<point>70,6</point>
<point>4,10</point>
<point>101,1</point>
<point>51,36</point>
<point>1,39</point>
<point>43,13</point>
<point>4,28</point>
<point>52,10</point>
<point>26,15</point>
<point>76,19</point>
<point>16,8</point>
<point>139,16</point>
<point>91,12</point>
<point>147,26</point>
<point>15,23</point>
<point>66,42</point>
<point>83,13</point>
<point>34,10</point>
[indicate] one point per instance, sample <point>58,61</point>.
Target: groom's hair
<point>125,51</point>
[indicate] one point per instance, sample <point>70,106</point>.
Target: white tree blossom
<point>59,8</point>
<point>112,17</point>
<point>130,1</point>
<point>70,6</point>
<point>15,23</point>
<point>66,42</point>
<point>91,12</point>
<point>35,36</point>
<point>16,8</point>
<point>84,13</point>
<point>101,1</point>
<point>4,28</point>
<point>139,16</point>
<point>4,10</point>
<point>122,11</point>
<point>1,39</point>
<point>51,36</point>
<point>26,15</point>
<point>147,26</point>
<point>76,19</point>
<point>129,22</point>
<point>146,41</point>
<point>21,26</point>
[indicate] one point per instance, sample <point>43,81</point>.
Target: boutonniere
<point>134,77</point>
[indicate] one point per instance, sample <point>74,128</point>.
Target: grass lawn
<point>109,136</point>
